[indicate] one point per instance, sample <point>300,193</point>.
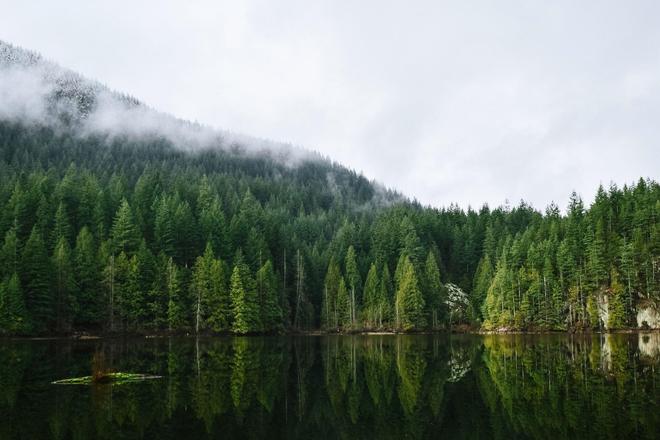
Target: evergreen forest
<point>123,232</point>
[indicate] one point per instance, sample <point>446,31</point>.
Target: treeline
<point>119,234</point>
<point>592,268</point>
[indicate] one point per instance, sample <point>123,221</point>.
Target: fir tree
<point>271,312</point>
<point>436,297</point>
<point>176,317</point>
<point>64,285</point>
<point>409,307</point>
<point>87,270</point>
<point>9,254</point>
<point>385,297</point>
<point>329,312</point>
<point>354,283</point>
<point>36,283</point>
<point>245,305</point>
<point>13,314</point>
<point>124,232</point>
<point>219,301</point>
<point>343,306</point>
<point>62,228</point>
<point>616,303</point>
<point>371,298</point>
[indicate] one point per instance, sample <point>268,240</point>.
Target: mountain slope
<point>118,218</point>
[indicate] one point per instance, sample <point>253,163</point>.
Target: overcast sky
<point>463,101</point>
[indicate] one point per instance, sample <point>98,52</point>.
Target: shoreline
<point>475,332</point>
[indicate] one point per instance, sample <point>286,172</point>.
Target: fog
<point>34,90</point>
<point>465,102</point>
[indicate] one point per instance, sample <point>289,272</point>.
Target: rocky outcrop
<point>602,303</point>
<point>648,315</point>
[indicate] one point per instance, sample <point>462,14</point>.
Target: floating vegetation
<point>109,379</point>
<point>102,375</point>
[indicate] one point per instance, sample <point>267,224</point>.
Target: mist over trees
<point>141,236</point>
<point>112,221</point>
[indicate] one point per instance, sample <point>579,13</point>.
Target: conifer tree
<point>36,282</point>
<point>219,301</point>
<point>176,317</point>
<point>63,285</point>
<point>354,283</point>
<point>87,270</point>
<point>124,232</point>
<point>371,298</point>
<point>13,314</point>
<point>201,285</point>
<point>9,254</point>
<point>271,312</point>
<point>343,306</point>
<point>61,228</point>
<point>385,297</point>
<point>436,296</point>
<point>329,312</point>
<point>616,303</point>
<point>164,233</point>
<point>409,306</point>
<point>482,279</point>
<point>245,305</point>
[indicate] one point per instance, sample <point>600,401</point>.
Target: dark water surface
<point>507,387</point>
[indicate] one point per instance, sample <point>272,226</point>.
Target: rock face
<point>458,303</point>
<point>648,315</point>
<point>602,303</point>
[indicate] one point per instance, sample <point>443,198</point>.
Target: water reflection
<point>601,386</point>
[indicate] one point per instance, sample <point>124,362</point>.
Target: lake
<point>318,387</point>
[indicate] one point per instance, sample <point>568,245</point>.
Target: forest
<point>125,234</point>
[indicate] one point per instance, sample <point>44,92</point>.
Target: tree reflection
<point>601,386</point>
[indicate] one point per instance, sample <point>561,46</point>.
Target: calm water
<point>335,387</point>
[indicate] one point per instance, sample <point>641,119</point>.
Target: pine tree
<point>409,307</point>
<point>62,228</point>
<point>36,282</point>
<point>123,294</point>
<point>436,297</point>
<point>385,297</point>
<point>201,285</point>
<point>616,304</point>
<point>343,306</point>
<point>13,314</point>
<point>245,305</point>
<point>354,283</point>
<point>371,298</point>
<point>482,280</point>
<point>9,254</point>
<point>271,312</point>
<point>213,227</point>
<point>164,234</point>
<point>176,317</point>
<point>125,236</point>
<point>629,274</point>
<point>87,280</point>
<point>597,257</point>
<point>219,301</point>
<point>65,306</point>
<point>329,314</point>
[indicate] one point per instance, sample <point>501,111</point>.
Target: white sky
<point>463,101</point>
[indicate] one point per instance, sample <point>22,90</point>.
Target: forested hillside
<point>105,230</point>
